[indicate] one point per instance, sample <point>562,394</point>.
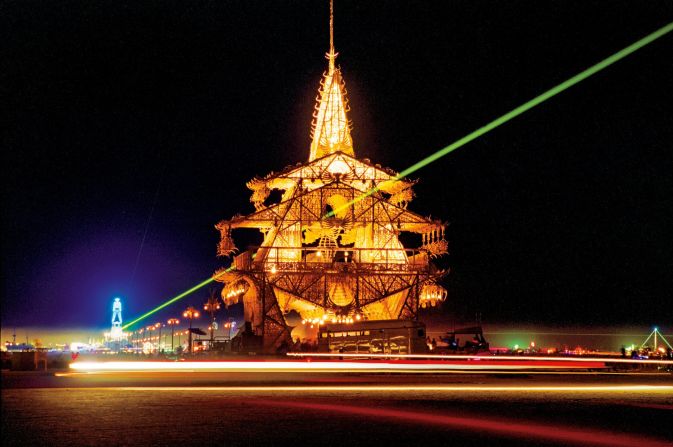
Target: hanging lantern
<point>233,291</point>
<point>226,247</point>
<point>431,294</point>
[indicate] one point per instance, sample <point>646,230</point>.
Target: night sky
<point>122,113</point>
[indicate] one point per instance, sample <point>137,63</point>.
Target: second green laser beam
<point>519,110</point>
<point>174,299</point>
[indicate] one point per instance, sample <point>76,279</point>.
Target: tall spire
<point>332,54</point>
<point>330,127</point>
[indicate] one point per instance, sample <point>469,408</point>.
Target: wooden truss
<point>331,244</point>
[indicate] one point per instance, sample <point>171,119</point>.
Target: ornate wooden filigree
<point>331,244</point>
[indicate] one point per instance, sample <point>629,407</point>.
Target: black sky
<point>562,216</point>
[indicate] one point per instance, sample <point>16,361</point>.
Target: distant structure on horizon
<point>116,330</point>
<point>114,339</point>
<point>331,250</point>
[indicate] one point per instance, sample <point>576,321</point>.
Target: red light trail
<point>511,428</point>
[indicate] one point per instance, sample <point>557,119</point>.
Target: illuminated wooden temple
<point>331,250</point>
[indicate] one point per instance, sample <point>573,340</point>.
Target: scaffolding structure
<point>331,248</point>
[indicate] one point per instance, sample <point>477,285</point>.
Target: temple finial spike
<point>331,26</point>
<point>332,54</point>
<point>331,128</point>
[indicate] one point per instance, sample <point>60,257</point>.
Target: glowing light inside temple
<point>332,318</point>
<point>338,167</point>
<point>432,294</point>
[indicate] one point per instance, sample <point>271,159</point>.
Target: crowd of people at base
<point>637,353</point>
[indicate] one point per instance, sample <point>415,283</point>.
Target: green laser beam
<point>176,298</point>
<point>466,139</point>
<point>519,110</point>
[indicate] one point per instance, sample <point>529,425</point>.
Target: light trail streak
<point>514,428</point>
<point>519,110</point>
<point>529,332</point>
<point>482,357</point>
<point>658,389</point>
<point>340,366</point>
<point>452,372</point>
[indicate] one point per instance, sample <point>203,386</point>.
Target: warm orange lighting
<point>329,365</point>
<point>333,318</point>
<point>331,250</point>
<point>191,313</point>
<point>431,294</point>
<point>483,357</point>
<point>331,128</point>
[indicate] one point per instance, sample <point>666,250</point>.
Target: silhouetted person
<point>623,351</point>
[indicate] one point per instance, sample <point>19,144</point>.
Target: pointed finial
<point>332,54</point>
<point>330,127</point>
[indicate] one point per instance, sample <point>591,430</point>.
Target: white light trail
<point>482,357</point>
<point>342,366</point>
